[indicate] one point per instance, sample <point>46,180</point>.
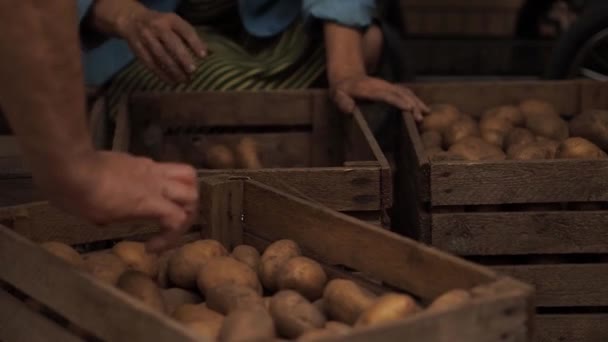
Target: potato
<point>293,314</point>
<point>533,151</point>
<point>345,300</point>
<point>135,256</point>
<point>219,157</point>
<point>388,308</point>
<point>185,263</point>
<point>430,152</point>
<point>593,126</point>
<point>273,258</point>
<point>248,156</point>
<point>462,128</point>
<point>176,297</point>
<point>518,136</point>
<point>247,255</point>
<point>231,297</point>
<point>450,299</point>
<point>533,107</point>
<point>163,268</point>
<point>140,286</point>
<point>549,126</point>
<point>331,329</point>
<point>473,148</point>
<point>431,139</point>
<point>104,266</point>
<point>512,114</point>
<point>303,275</point>
<point>445,156</point>
<point>440,117</point>
<point>226,270</point>
<point>338,327</point>
<point>200,320</point>
<point>494,137</point>
<point>253,324</point>
<point>65,252</point>
<point>495,123</point>
<point>549,145</point>
<point>579,148</point>
<point>320,305</point>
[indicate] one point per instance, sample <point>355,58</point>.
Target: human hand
<point>109,187</point>
<point>345,91</point>
<point>163,42</point>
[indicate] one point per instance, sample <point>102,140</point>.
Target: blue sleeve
<point>353,13</point>
<point>83,8</point>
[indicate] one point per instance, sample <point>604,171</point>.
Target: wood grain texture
<point>527,232</point>
<point>594,95</point>
<point>43,222</point>
<point>476,183</point>
<point>564,285</point>
<point>572,328</point>
<point>221,210</point>
<point>18,322</point>
<point>339,188</point>
<point>341,240</point>
<point>328,128</point>
<point>79,297</point>
<point>228,108</point>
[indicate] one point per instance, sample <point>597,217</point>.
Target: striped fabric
<point>293,60</point>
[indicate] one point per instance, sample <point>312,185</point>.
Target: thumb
<point>344,101</point>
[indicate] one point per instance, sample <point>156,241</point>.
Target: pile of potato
<point>531,130</point>
<point>245,296</point>
<point>243,155</point>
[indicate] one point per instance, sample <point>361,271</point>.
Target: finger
<point>423,107</point>
<point>409,97</point>
<point>179,51</point>
<point>173,221</point>
<point>163,58</point>
<point>147,59</point>
<point>345,103</point>
<point>180,193</point>
<point>181,172</point>
<point>190,36</point>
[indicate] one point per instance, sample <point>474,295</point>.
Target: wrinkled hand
<point>347,90</point>
<point>164,42</point>
<point>109,187</point>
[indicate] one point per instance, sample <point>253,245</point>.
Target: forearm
<point>42,92</point>
<point>111,16</point>
<point>344,52</point>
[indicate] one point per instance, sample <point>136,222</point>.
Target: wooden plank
<point>572,328</point>
<point>564,285</point>
<point>475,97</point>
<point>20,323</point>
<point>476,183</point>
<point>339,239</point>
<point>528,232</point>
<point>235,108</point>
<point>221,209</point>
<point>274,149</point>
<point>79,297</point>
<point>342,189</point>
<point>43,222</point>
<point>327,133</point>
<point>594,95</point>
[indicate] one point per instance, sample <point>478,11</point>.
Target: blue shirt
<point>261,18</point>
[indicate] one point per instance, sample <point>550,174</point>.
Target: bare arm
<point>42,94</point>
<point>348,78</point>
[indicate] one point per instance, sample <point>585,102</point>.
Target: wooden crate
<point>306,146</point>
<point>16,182</point>
<point>514,215</point>
<point>460,17</point>
<point>500,313</point>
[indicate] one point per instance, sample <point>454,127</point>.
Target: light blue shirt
<point>261,18</point>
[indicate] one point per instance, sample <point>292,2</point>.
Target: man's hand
<point>163,42</point>
<point>107,187</point>
<point>344,93</point>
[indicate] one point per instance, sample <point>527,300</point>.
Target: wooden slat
<point>342,189</point>
<point>525,232</point>
<point>594,95</point>
<point>274,149</point>
<point>327,133</point>
<point>43,222</point>
<point>221,209</point>
<point>18,322</point>
<point>98,308</point>
<point>339,239</point>
<point>564,284</point>
<point>572,328</point>
<point>475,183</point>
<point>227,108</point>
